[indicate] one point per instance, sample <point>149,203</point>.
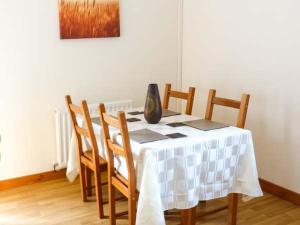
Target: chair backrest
<point>241,105</point>
<point>188,96</point>
<point>126,186</point>
<point>85,130</point>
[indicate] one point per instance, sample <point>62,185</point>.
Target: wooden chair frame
<point>242,106</point>
<point>188,96</point>
<point>89,161</point>
<point>115,180</point>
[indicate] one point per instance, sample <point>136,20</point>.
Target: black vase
<point>153,110</point>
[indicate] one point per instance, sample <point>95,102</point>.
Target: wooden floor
<point>58,202</point>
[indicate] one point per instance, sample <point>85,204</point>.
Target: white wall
<point>251,46</point>
<point>37,69</point>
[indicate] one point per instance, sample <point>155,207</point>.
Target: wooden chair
<point>127,186</point>
<point>189,97</point>
<point>89,160</point>
<point>242,106</point>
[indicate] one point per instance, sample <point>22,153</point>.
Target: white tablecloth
<point>178,173</point>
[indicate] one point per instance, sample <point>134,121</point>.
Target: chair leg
<point>188,216</point>
<point>82,169</point>
<point>88,172</point>
<point>112,204</point>
<point>98,188</point>
<point>131,211</point>
<point>232,208</point>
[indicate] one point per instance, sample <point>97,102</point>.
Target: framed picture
<point>89,18</point>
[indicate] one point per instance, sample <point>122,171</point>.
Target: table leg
<point>188,216</point>
<point>232,208</point>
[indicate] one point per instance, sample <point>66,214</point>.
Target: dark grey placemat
<point>134,113</point>
<point>205,125</point>
<point>167,113</point>
<point>131,120</point>
<point>145,135</point>
<point>176,135</point>
<point>176,124</point>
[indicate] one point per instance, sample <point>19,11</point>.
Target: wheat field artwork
<point>89,18</point>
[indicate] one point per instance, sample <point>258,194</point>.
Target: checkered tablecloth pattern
<point>198,171</point>
<point>178,173</point>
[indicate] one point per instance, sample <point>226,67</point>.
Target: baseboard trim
<point>30,179</point>
<point>267,186</point>
<point>280,192</point>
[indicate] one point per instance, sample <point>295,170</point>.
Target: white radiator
<point>64,129</point>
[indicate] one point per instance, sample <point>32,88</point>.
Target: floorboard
<point>58,202</point>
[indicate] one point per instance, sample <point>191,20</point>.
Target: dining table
<point>180,172</point>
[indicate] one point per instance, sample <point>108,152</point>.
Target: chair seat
<point>89,154</point>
